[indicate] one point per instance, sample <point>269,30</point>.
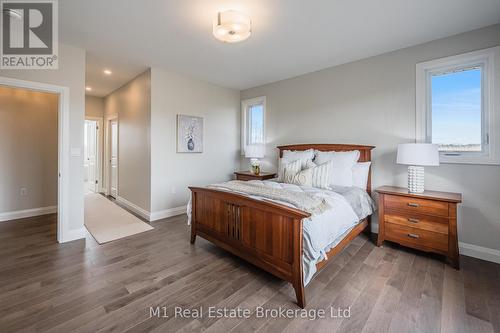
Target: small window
<point>253,121</point>
<point>457,111</point>
<point>453,106</point>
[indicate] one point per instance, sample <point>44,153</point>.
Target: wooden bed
<point>264,233</point>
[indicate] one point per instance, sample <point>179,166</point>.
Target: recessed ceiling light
<point>232,27</point>
<point>88,88</point>
<point>107,72</point>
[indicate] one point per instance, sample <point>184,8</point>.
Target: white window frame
<point>245,105</point>
<point>483,59</point>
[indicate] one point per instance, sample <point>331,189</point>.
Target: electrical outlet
<point>24,191</point>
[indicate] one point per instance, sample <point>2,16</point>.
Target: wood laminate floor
<point>85,287</point>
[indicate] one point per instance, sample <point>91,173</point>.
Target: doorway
<point>113,158</point>
<point>64,233</point>
<point>92,155</point>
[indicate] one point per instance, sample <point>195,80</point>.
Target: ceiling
<point>290,37</point>
<point>103,84</point>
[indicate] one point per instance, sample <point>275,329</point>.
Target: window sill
<point>468,160</point>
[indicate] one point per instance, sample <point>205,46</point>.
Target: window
<point>253,121</point>
<point>453,106</point>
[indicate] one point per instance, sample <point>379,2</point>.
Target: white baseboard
<point>21,214</point>
<point>479,252</point>
<point>133,207</point>
<point>162,214</point>
<point>71,235</point>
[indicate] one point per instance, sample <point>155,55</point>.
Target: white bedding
<point>324,231</point>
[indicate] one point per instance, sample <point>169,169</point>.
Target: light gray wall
<point>173,172</point>
<point>132,104</point>
<point>71,74</point>
<point>372,101</point>
<point>94,106</point>
<point>28,149</point>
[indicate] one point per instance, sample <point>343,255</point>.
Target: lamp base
<point>416,179</point>
<point>255,166</point>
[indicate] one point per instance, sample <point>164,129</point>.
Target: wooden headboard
<point>365,153</point>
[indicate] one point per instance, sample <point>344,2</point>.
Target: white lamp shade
<point>255,151</point>
<point>424,154</point>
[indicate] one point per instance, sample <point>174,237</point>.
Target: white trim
<point>162,214</point>
<point>133,207</point>
<point>479,252</point>
<point>484,58</point>
<point>72,235</point>
<point>63,197</point>
<point>244,105</point>
<point>21,214</point>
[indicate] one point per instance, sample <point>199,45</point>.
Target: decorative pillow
<point>360,173</point>
<point>291,170</point>
<point>321,177</point>
<point>304,177</point>
<point>293,155</point>
<point>314,175</point>
<point>343,162</point>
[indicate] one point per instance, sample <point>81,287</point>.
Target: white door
<point>114,159</point>
<point>90,157</point>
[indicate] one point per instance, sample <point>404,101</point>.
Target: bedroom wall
<point>172,172</point>
<point>71,74</point>
<point>28,149</point>
<point>132,104</point>
<point>372,101</point>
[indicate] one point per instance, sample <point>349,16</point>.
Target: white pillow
<point>291,170</point>
<point>343,162</point>
<point>360,173</point>
<point>293,155</point>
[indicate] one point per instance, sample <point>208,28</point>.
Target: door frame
<point>99,143</point>
<point>107,154</point>
<point>64,233</point>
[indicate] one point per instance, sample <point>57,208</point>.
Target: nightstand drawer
<point>416,205</point>
<point>414,237</point>
<point>418,221</point>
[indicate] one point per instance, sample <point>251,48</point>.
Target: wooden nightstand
<point>425,221</point>
<point>247,175</point>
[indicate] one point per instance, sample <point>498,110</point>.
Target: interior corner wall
<point>372,101</point>
<point>172,172</point>
<point>94,106</point>
<point>132,104</point>
<point>71,74</point>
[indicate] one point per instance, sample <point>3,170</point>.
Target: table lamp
<point>254,152</point>
<point>416,156</point>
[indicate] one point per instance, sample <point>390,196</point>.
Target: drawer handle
<point>413,236</point>
<point>411,204</point>
<point>413,220</point>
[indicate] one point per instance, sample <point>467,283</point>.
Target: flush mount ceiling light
<point>232,27</point>
<point>88,88</point>
<point>107,72</point>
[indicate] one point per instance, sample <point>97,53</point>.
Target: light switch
<point>76,152</point>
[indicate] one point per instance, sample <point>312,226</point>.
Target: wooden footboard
<point>264,233</point>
